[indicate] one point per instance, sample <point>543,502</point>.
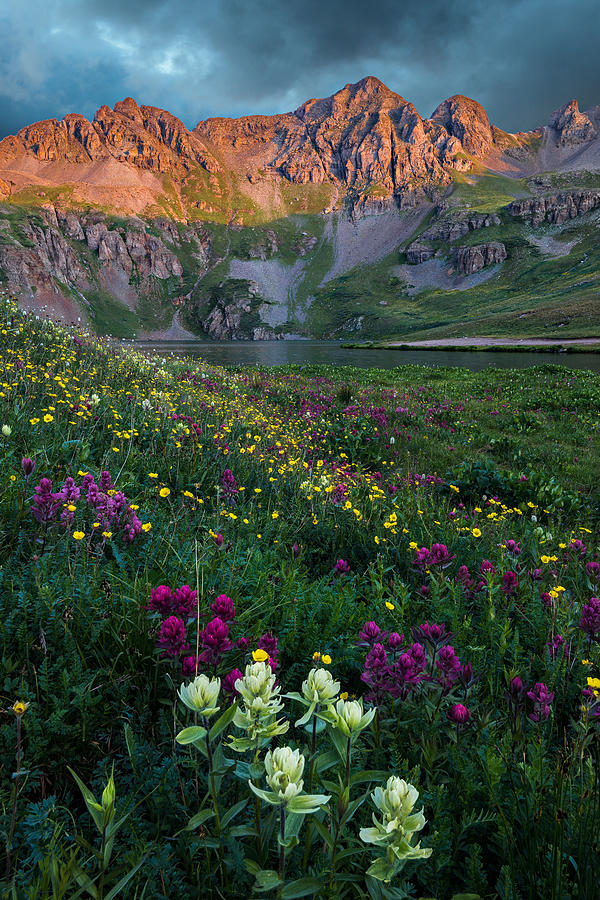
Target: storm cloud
<point>520,59</point>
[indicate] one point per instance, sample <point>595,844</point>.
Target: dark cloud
<point>521,59</point>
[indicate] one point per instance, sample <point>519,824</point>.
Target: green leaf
<point>369,775</point>
<point>242,770</point>
<point>307,803</point>
<point>242,831</point>
<point>191,735</point>
<point>326,760</point>
<point>256,770</point>
<point>302,887</point>
<point>267,796</point>
<point>323,831</point>
<point>381,869</point>
<point>116,890</point>
<point>307,715</point>
<point>267,879</point>
<point>352,807</point>
<point>466,897</point>
<point>94,808</point>
<point>222,722</point>
<point>199,819</point>
<point>84,880</point>
<point>293,824</point>
<point>294,695</point>
<point>232,813</point>
<point>288,843</point>
<point>130,742</point>
<point>340,743</point>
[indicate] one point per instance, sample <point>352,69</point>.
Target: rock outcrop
<point>419,253</point>
<point>473,259</point>
<point>452,227</point>
<point>44,256</point>
<point>572,127</point>
<point>449,227</point>
<point>555,209</point>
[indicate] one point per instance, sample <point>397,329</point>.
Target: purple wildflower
<point>268,643</point>
<point>590,619</point>
<point>161,600</point>
<point>184,601</point>
<point>228,682</point>
<point>556,644</point>
<point>172,636</point>
<point>395,640</point>
<point>449,667</point>
<point>215,640</point>
<point>28,466</point>
<point>510,583</point>
<point>459,714</point>
<point>371,632</point>
<point>435,635</point>
<point>341,567</point>
<point>190,666</point>
<point>224,608</point>
<point>593,570</point>
<point>542,702</point>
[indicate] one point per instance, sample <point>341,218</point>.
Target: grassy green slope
<point>531,294</point>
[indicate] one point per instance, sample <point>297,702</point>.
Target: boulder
<point>473,259</point>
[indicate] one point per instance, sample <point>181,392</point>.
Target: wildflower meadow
<point>296,632</point>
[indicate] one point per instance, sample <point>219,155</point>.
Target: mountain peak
<point>353,98</point>
<point>128,108</point>
<point>573,127</point>
<point>370,83</point>
<point>467,120</point>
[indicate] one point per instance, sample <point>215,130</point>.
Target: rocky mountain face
<point>571,126</point>
<point>136,158</point>
<point>473,259</point>
<point>233,228</point>
<point>556,208</point>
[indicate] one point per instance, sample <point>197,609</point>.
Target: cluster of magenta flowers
<point>230,486</point>
<point>342,567</point>
<point>436,557</point>
<point>590,619</point>
<point>397,669</point>
<point>540,697</point>
<point>217,640</point>
<point>110,507</point>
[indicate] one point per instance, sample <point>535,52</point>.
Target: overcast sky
<point>198,58</point>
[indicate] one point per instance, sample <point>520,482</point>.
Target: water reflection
<point>279,353</point>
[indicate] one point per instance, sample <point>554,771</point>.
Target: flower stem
<point>313,749</point>
<point>211,775</point>
<point>281,847</point>
<point>13,817</point>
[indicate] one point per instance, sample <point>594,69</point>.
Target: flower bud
<point>28,466</point>
<point>320,687</point>
<point>349,717</point>
<point>284,768</point>
<point>201,695</point>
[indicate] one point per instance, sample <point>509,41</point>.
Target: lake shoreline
<point>482,345</point>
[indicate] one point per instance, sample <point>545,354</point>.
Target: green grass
<point>488,192</point>
<point>365,466</point>
<point>530,294</point>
